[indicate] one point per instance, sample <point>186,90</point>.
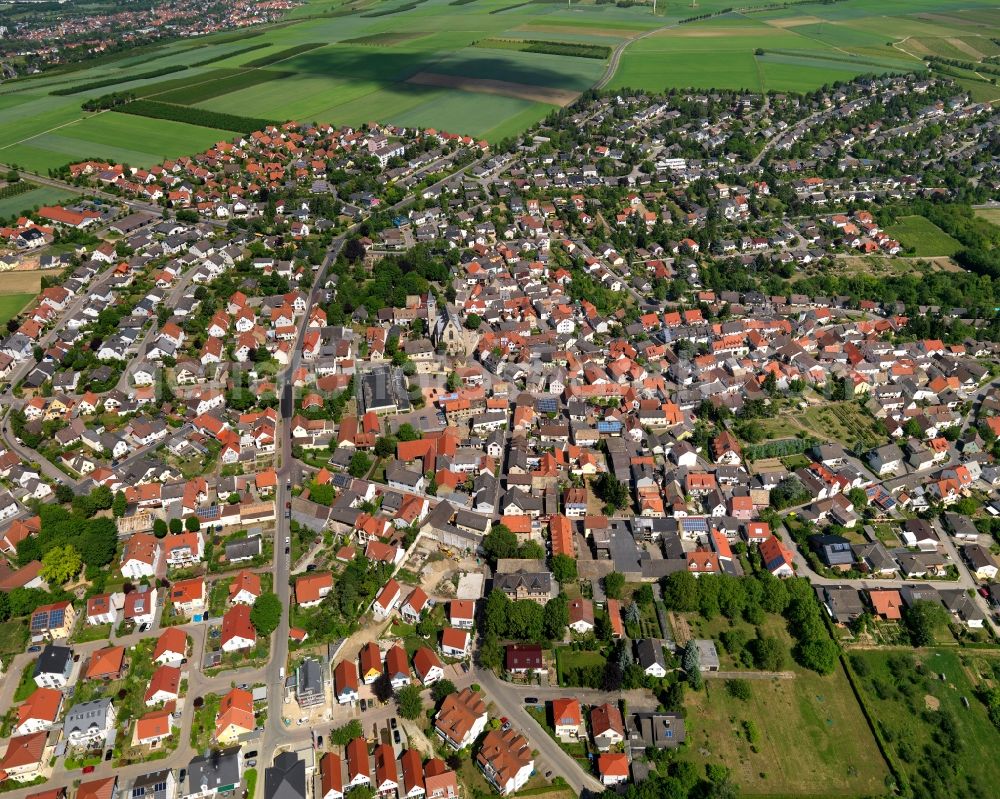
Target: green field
<point>926,238</point>
<point>810,735</point>
<point>12,304</point>
<point>918,701</point>
<point>373,66</point>
<point>41,195</point>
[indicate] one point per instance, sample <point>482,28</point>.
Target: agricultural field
<point>12,304</point>
<point>925,238</point>
<point>934,725</point>
<point>804,736</point>
<point>11,207</point>
<point>486,68</point>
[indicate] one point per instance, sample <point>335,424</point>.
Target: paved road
<point>509,699</point>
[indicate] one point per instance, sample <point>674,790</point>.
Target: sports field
<point>486,68</point>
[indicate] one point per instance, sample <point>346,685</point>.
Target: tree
<point>858,498</point>
<point>643,594</point>
<point>441,689</point>
<point>385,446</point>
<point>159,528</point>
<point>767,652</point>
<point>176,525</point>
<point>499,543</point>
<point>64,493</point>
<point>426,626</point>
<point>633,615</point>
<point>612,490</point>
<point>342,736</point>
<point>564,569</point>
<point>473,321</point>
<point>531,550</point>
<point>692,665</point>
<point>60,564</point>
<point>555,617</point>
<point>120,505</point>
<point>614,582</point>
<point>681,592</point>
<point>409,702</point>
<point>191,524</point>
<point>407,432</point>
<point>382,688</point>
<point>496,613</point>
<point>265,615</point>
<point>360,464</point>
<point>922,619</point>
<point>739,689</point>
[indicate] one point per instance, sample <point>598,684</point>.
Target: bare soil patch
<point>794,22</point>
<point>521,91</point>
<point>19,281</point>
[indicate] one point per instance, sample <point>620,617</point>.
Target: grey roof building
<point>657,730</point>
<point>243,549</point>
<point>88,722</point>
<point>309,683</point>
<point>286,779</point>
<point>215,772</point>
<point>155,785</point>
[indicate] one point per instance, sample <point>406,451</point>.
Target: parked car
<point>531,700</point>
<point>311,567</point>
<point>392,722</point>
<point>395,736</point>
<point>35,648</point>
<point>319,741</point>
<point>88,769</point>
<point>250,754</point>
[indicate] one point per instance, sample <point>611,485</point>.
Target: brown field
<point>522,91</point>
<point>20,282</point>
<point>965,47</point>
<point>794,22</point>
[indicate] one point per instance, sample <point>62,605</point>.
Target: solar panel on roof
<point>56,618</point>
<point>40,621</point>
<point>547,405</point>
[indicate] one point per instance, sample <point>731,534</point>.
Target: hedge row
<point>100,84</point>
<point>194,116</point>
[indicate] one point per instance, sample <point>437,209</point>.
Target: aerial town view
<point>448,399</point>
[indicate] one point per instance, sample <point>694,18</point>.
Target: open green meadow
<point>808,737</point>
<point>487,68</point>
<point>926,238</point>
<point>12,304</point>
<point>927,710</point>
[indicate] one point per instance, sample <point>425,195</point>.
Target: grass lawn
<point>203,725</point>
<point>926,238</point>
<point>809,737</point>
<point>913,694</point>
<point>26,685</point>
<point>92,632</point>
<point>12,304</point>
<point>13,636</point>
<point>568,659</point>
